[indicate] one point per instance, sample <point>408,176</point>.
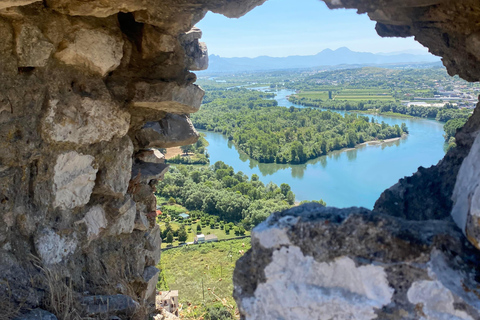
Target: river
<point>354,177</point>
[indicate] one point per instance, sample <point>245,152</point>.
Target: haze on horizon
<point>281,28</point>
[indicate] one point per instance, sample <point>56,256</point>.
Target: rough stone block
<point>312,262</point>
<point>149,171</point>
<point>153,246</point>
<point>53,248</point>
<point>150,276</point>
<point>168,96</point>
<point>151,155</point>
<point>82,120</point>
<point>94,50</point>
<point>172,131</point>
<point>115,171</point>
<point>15,3</point>
<point>95,221</point>
<point>33,49</point>
<point>466,195</point>
<point>37,314</point>
<point>102,305</point>
<point>125,220</point>
<point>154,42</point>
<point>141,222</point>
<point>73,181</point>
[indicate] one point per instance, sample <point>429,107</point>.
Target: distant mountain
<point>327,57</point>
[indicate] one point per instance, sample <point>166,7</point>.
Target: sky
<point>281,28</point>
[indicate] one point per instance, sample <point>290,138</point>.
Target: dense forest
<point>284,135</point>
<point>218,190</point>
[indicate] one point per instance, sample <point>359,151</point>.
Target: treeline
<point>271,134</point>
<point>443,114</point>
<point>218,190</point>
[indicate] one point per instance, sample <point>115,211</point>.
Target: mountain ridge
<point>327,57</point>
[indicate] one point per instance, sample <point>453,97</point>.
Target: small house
<point>211,238</point>
<point>184,216</point>
<point>199,238</point>
<point>168,300</point>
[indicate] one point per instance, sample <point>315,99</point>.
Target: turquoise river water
<point>354,177</point>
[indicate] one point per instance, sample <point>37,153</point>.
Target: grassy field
<point>191,235</point>
<point>185,269</point>
<point>314,95</point>
<point>349,95</point>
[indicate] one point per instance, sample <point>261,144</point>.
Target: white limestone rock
<point>125,221</point>
<point>84,120</point>
<point>94,50</point>
<point>298,287</point>
<point>54,248</point>
<point>33,49</point>
<point>74,179</point>
<point>95,221</point>
<point>466,195</point>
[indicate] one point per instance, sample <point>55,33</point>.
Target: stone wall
<point>88,88</point>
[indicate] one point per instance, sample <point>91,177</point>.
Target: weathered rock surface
<point>466,196</point>
<point>312,262</point>
<point>37,314</point>
<point>106,305</point>
<point>125,219</point>
<point>94,50</point>
<point>172,131</point>
<point>168,97</point>
<point>33,49</point>
<point>151,155</point>
<point>149,171</point>
<point>73,180</point>
<point>82,120</point>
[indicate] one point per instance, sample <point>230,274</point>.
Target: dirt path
<point>172,152</point>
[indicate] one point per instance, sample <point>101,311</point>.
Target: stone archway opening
<point>87,88</point>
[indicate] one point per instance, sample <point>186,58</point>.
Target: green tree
<point>199,228</point>
<point>182,234</point>
<point>290,197</point>
<point>187,149</point>
<point>169,237</point>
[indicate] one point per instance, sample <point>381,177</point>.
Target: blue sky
<point>281,28</point>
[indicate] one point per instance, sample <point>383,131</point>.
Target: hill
<point>326,57</point>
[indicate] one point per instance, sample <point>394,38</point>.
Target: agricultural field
<point>373,94</point>
<point>203,276</point>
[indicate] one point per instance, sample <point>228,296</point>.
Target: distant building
<point>184,215</point>
<point>211,238</point>
<point>168,300</point>
<point>199,238</point>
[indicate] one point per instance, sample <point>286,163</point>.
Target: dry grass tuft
<point>60,299</point>
<point>9,309</point>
